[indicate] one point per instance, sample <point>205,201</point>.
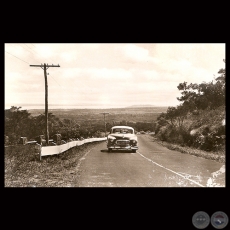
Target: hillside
<point>112,111</point>
<point>204,130</point>
<point>199,120</point>
<point>75,123</point>
<point>114,116</point>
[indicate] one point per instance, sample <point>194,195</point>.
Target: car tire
<point>109,150</point>
<point>134,150</point>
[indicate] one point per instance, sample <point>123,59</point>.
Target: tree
<point>222,76</point>
<point>205,95</point>
<point>16,122</point>
<point>176,115</point>
<point>38,125</point>
<point>181,112</point>
<point>171,114</point>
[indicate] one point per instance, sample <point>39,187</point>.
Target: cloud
<point>114,74</point>
<point>44,51</point>
<point>111,74</point>
<point>91,46</point>
<point>17,50</point>
<point>135,53</point>
<point>143,75</point>
<point>67,56</point>
<point>186,55</point>
<point>96,74</point>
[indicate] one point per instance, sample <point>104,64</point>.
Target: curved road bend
<point>151,166</point>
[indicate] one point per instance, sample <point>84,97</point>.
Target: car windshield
<point>121,130</point>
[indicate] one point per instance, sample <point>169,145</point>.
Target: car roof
<point>122,127</point>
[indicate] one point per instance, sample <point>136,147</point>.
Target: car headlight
<point>134,141</point>
<point>111,140</point>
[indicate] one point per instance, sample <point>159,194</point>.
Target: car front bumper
<point>123,147</point>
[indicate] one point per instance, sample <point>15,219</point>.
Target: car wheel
<point>109,150</point>
<point>134,150</point>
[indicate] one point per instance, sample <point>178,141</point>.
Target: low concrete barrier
<point>51,150</point>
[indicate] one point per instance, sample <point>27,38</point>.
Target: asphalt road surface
<point>151,166</point>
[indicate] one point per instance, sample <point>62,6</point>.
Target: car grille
<point>122,138</point>
<point>123,142</point>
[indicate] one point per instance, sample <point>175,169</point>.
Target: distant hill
<point>141,106</point>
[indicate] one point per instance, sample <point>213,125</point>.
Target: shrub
<point>14,138</point>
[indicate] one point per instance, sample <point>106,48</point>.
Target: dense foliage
<point>72,124</point>
<point>19,123</point>
<point>199,120</point>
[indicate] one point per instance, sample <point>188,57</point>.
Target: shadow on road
<point>104,150</point>
<point>116,151</point>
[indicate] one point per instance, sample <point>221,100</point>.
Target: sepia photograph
<point>114,115</point>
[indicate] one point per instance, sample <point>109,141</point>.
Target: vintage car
<point>122,138</point>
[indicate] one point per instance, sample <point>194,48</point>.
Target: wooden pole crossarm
<point>46,65</point>
<point>36,65</point>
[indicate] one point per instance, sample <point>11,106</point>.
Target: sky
<point>106,75</point>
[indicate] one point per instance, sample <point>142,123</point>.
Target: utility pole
<point>45,67</point>
<point>104,121</point>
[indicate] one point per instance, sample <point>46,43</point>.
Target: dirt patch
<point>23,167</point>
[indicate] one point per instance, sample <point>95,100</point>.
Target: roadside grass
<point>218,156</point>
<point>202,134</point>
<point>23,167</point>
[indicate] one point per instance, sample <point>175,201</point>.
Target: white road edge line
<point>170,170</point>
<point>82,158</point>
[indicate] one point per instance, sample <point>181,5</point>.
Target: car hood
<point>123,136</point>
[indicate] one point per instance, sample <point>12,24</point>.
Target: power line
<point>26,50</point>
<point>28,63</point>
<point>45,67</point>
<point>65,90</point>
<point>36,52</point>
<point>21,60</point>
<point>23,47</point>
<point>17,57</point>
<point>56,81</point>
<point>31,49</point>
<point>28,47</point>
<point>47,64</point>
<point>39,56</point>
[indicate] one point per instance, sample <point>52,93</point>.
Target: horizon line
<point>27,104</point>
<point>82,106</point>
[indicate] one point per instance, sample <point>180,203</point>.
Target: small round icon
<point>219,220</point>
<point>201,220</point>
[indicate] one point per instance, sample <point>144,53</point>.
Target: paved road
<point>151,166</point>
